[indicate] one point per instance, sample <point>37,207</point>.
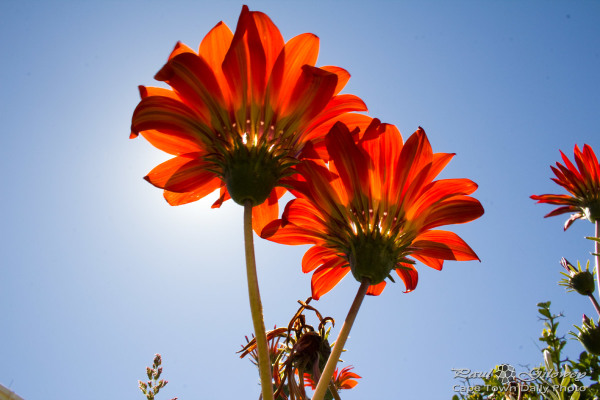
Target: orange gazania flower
<point>342,379</point>
<point>239,112</point>
<point>582,181</point>
<point>371,208</point>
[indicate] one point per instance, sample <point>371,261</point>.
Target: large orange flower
<point>371,208</point>
<point>582,181</point>
<point>239,112</point>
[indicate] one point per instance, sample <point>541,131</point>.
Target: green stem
<point>340,342</point>
<point>334,391</point>
<point>264,362</point>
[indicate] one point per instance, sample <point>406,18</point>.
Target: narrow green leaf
<point>575,396</point>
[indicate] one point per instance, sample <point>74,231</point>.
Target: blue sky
<point>98,273</point>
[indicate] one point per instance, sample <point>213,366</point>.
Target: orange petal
<point>302,213</point>
<point>351,120</point>
<point>443,245</point>
<point>326,277</point>
<point>313,91</point>
<point>223,196</point>
<point>562,210</point>
<point>342,74</point>
<point>559,199</point>
<point>266,212</point>
<point>270,37</point>
<point>375,290</point>
<point>431,262</point>
<point>180,48</point>
<point>172,144</point>
<point>169,116</point>
<point>337,106</point>
<point>254,47</point>
<point>350,162</point>
<point>213,48</point>
<point>415,155</point>
<point>178,199</point>
<point>317,256</point>
<point>277,232</point>
<point>184,174</point>
<point>453,211</point>
<point>409,276</point>
<point>194,80</point>
<point>592,163</point>
<point>298,51</point>
<point>440,160</point>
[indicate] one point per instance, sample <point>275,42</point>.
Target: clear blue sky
<point>98,273</point>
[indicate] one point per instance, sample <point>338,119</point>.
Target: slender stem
<point>595,303</point>
<point>264,362</point>
<point>334,391</point>
<point>597,251</point>
<point>340,342</point>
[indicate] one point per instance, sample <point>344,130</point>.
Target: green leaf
<point>575,396</point>
<point>545,312</point>
<point>565,382</point>
<point>595,239</point>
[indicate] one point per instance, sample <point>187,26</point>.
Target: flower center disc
<point>251,175</point>
<point>372,258</point>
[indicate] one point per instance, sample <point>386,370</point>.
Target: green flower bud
<point>583,283</point>
<point>589,336</point>
<point>578,279</point>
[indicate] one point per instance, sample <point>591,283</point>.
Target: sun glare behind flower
<point>238,113</point>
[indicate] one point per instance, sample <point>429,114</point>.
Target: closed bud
<point>157,360</point>
<point>589,335</point>
<point>578,279</point>
<point>583,283</point>
<point>143,387</point>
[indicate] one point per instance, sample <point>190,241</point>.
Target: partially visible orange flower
<point>582,181</point>
<point>239,112</point>
<point>371,208</point>
<point>342,379</point>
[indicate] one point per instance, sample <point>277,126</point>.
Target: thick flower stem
<point>597,251</point>
<point>340,342</point>
<point>264,362</point>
